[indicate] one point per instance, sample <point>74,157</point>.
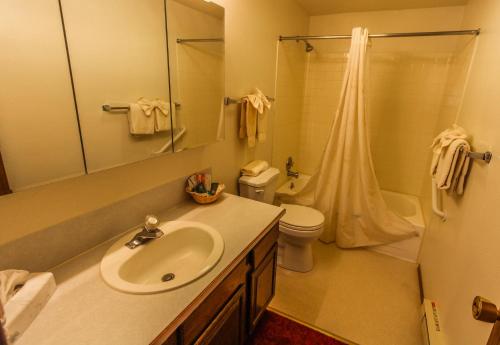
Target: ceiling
<point>319,7</point>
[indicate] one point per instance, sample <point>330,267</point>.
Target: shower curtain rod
<point>394,34</point>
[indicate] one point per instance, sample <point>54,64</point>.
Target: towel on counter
<point>253,117</point>
<point>450,163</point>
<point>10,280</point>
<point>254,168</point>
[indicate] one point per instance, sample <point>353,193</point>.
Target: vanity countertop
<point>84,310</point>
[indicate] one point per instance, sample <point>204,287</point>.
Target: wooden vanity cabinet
<point>230,313</point>
<point>263,284</point>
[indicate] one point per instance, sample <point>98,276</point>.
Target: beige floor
<point>366,297</point>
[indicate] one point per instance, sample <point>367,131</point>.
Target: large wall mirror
<point>196,53</point>
<point>96,84</point>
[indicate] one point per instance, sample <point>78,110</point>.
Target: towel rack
<point>199,40</point>
<point>124,108</point>
<point>110,108</point>
<point>229,100</point>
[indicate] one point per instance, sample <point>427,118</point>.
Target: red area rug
<point>274,329</point>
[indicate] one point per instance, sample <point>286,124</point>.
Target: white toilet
<point>299,227</point>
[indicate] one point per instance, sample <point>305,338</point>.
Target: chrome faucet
<point>289,165</point>
<point>149,232</point>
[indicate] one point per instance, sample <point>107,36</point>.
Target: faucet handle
<point>151,222</point>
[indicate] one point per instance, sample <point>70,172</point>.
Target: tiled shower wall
<point>289,104</point>
<point>406,92</point>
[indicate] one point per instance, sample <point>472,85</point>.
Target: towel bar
<point>110,108</point>
<point>229,100</point>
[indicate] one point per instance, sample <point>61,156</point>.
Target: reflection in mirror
<point>196,53</point>
<point>118,54</point>
<point>39,138</point>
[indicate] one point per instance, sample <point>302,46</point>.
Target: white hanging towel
<point>139,122</point>
<point>253,117</point>
<point>450,163</point>
<point>158,110</point>
<point>162,120</point>
<point>260,102</point>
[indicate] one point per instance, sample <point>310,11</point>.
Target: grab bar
<point>435,203</point>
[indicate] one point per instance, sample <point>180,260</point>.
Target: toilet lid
<point>302,217</point>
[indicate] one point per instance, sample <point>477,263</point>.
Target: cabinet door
<point>228,328</point>
<point>262,287</point>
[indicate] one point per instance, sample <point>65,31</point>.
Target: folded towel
<point>443,140</point>
<point>159,110</point>
<point>27,303</point>
<point>450,163</point>
<point>10,280</point>
<point>253,117</point>
<point>254,168</point>
<point>139,122</point>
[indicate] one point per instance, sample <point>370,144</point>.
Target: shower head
<point>309,47</point>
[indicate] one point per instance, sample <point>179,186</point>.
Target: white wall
<point>460,258</point>
<point>407,78</point>
<point>39,136</point>
<point>250,62</point>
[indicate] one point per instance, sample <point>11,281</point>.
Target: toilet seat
<point>299,233</point>
<point>301,218</point>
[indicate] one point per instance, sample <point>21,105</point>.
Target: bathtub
<point>407,206</point>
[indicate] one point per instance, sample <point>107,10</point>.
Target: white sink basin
<point>186,251</point>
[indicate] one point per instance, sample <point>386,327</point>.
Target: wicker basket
<point>206,198</point>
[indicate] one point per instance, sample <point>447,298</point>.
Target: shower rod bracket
<point>483,156</point>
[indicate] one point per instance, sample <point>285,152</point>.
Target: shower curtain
<point>345,187</point>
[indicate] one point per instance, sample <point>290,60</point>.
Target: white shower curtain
<point>345,187</point>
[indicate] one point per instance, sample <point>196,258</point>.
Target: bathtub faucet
<point>289,165</point>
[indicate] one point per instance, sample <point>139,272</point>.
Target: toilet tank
<point>261,187</point>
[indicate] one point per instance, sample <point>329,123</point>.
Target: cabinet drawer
<point>262,248</point>
<point>199,320</point>
<point>263,284</point>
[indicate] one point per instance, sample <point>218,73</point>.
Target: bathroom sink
<point>186,251</point>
